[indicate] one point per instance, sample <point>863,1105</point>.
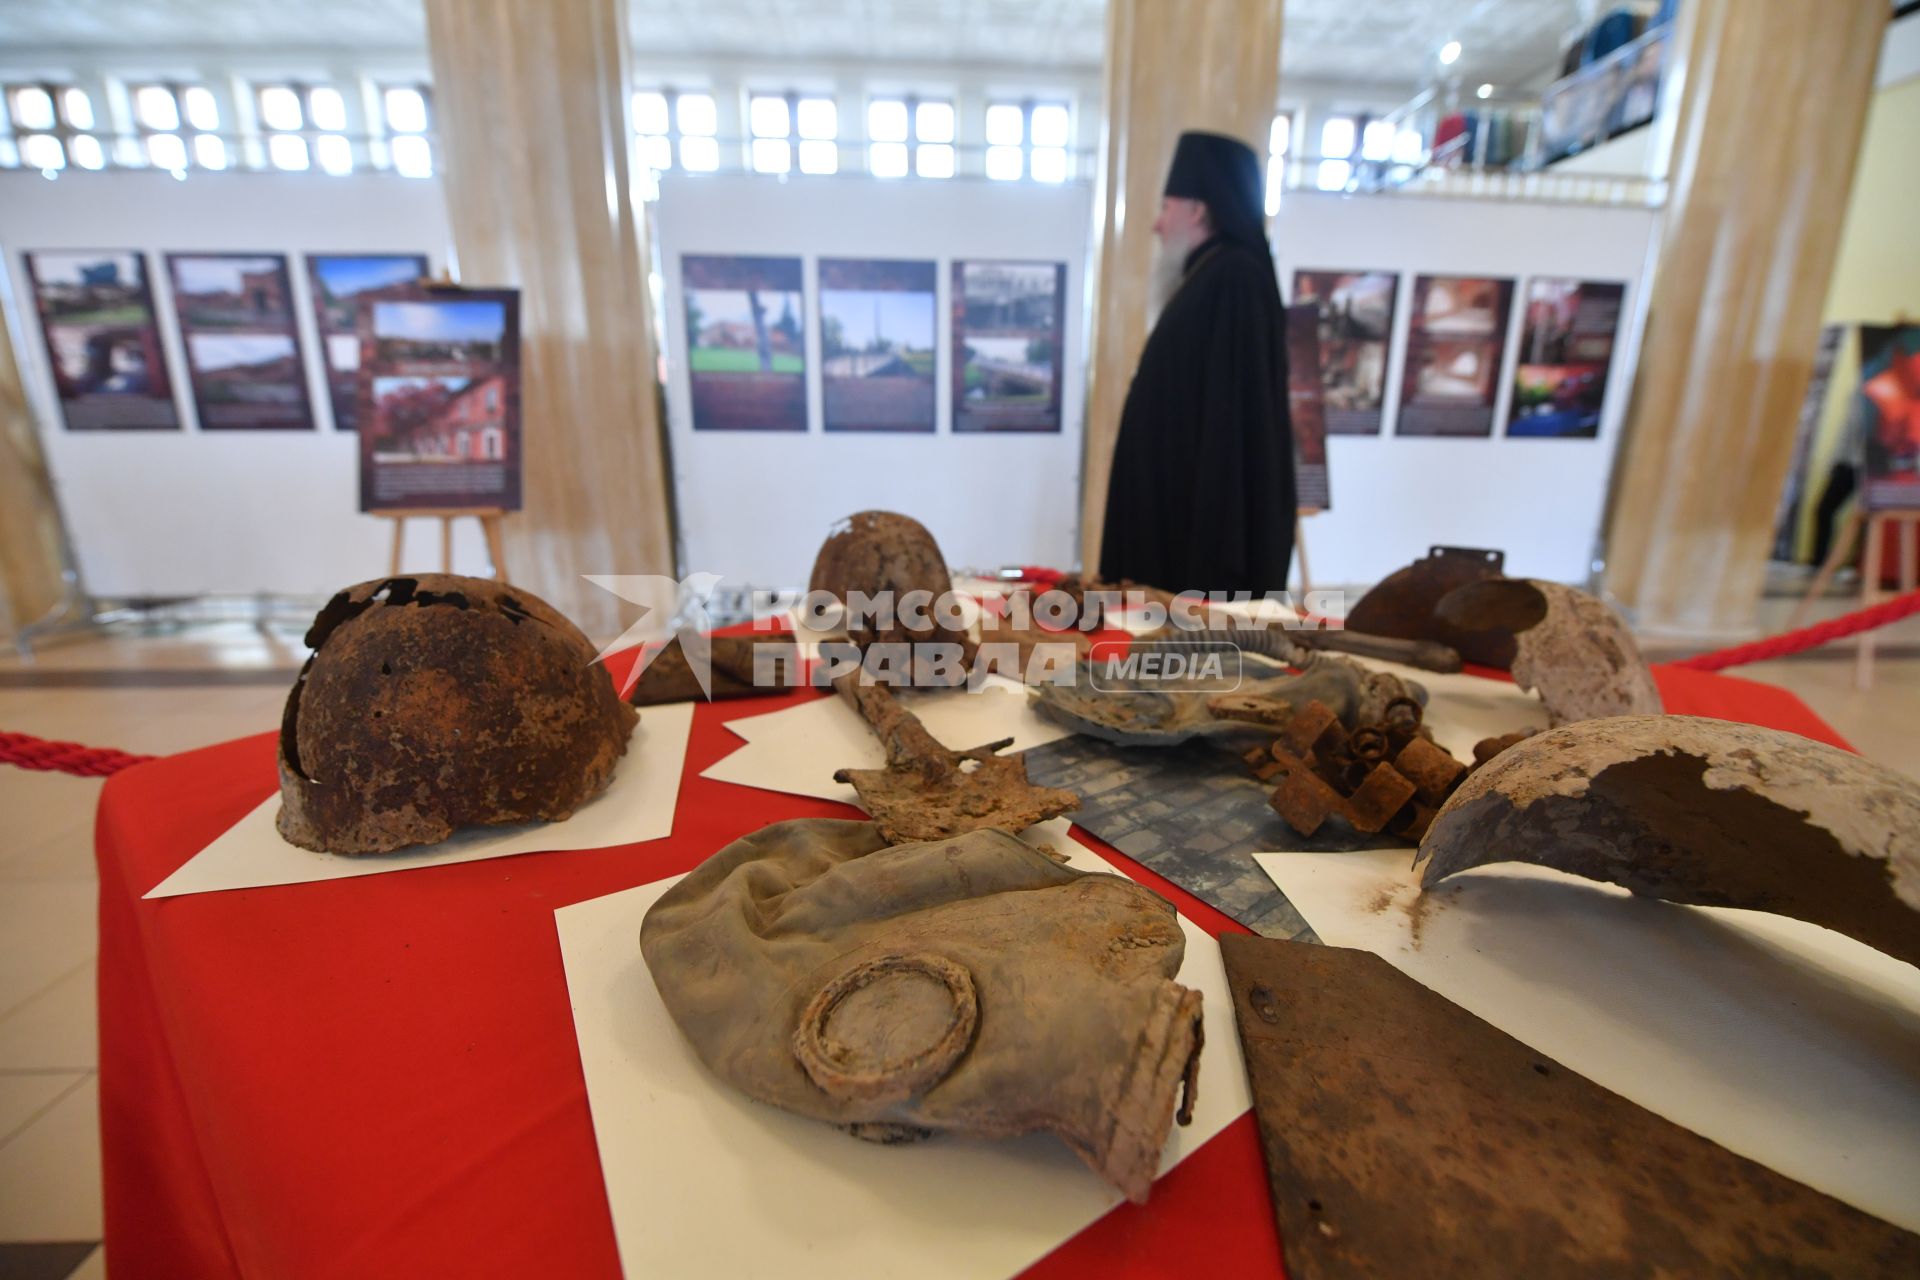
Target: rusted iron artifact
<point>1406,1137</point>
<point>928,792</point>
<point>1403,604</point>
<point>1569,647</point>
<point>1381,776</point>
<point>1137,711</point>
<point>970,985</point>
<point>437,702</point>
<point>882,553</point>
<point>731,659</point>
<point>1704,812</point>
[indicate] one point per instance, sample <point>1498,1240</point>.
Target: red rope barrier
<point>29,752</point>
<point>1781,646</point>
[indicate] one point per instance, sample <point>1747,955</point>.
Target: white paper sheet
<point>797,749</point>
<point>637,805</point>
<point>1787,1043</point>
<point>703,1181</point>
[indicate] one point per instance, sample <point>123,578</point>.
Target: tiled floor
<point>49,1132</point>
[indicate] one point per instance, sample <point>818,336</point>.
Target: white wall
<point>755,506</point>
<point>1539,500</point>
<point>187,512</point>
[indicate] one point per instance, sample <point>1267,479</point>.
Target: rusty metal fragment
<point>1703,812</point>
<point>1406,1137</point>
<point>1385,776</point>
<point>1569,647</point>
<point>967,986</point>
<point>883,553</point>
<point>927,792</point>
<point>436,702</point>
<point>1403,604</point>
<point>668,678</point>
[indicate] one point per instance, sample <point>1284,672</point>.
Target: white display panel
<point>754,506</point>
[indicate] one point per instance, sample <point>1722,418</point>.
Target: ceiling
<point>1376,41</point>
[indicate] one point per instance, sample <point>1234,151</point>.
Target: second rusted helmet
<point>437,702</point>
<point>882,551</point>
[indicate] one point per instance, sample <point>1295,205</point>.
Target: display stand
<point>489,518</point>
<point>1906,526</point>
<point>1300,545</point>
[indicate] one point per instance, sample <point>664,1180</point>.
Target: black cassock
<point>1201,497</point>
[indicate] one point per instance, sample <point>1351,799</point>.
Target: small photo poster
<point>243,347</point>
<point>96,314</point>
<point>1307,409</point>
<point>1455,344</point>
<point>1567,335</point>
<point>1889,409</point>
<point>439,403</point>
<point>746,352</point>
<point>1007,337</point>
<point>1355,317</point>
<point>336,281</point>
<point>877,344</point>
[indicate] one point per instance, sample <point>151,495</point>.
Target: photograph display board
<point>336,281</point>
<point>1007,345</point>
<point>1307,409</point>
<point>1355,315</point>
<point>1567,335</point>
<point>746,353</point>
<point>877,345</point>
<point>242,345</point>
<point>96,313</point>
<point>1455,342</point>
<point>439,401</point>
<point>1889,409</point>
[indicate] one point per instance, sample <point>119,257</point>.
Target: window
<point>1409,147</point>
<point>1376,140</point>
<point>1279,139</point>
<point>664,120</point>
<point>406,114</point>
<point>49,125</point>
<point>1337,137</point>
<point>781,124</point>
<point>910,135</point>
<point>176,122</point>
<point>698,121</point>
<point>1028,139</point>
<point>305,127</point>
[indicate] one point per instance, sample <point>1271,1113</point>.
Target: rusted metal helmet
<point>437,702</point>
<point>881,551</point>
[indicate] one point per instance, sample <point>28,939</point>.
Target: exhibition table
<point>378,1076</point>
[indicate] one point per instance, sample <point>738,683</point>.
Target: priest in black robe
<point>1201,496</point>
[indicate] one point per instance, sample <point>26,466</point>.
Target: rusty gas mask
<point>437,702</point>
<point>969,985</point>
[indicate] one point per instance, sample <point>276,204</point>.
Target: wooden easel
<point>1904,524</point>
<point>489,518</point>
<point>1300,545</point>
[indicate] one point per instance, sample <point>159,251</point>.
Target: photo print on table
<point>103,344</point>
<point>243,346</point>
<point>877,324</point>
<point>1008,333</point>
<point>337,281</point>
<point>746,348</point>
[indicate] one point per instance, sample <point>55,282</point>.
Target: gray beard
<point>1169,266</point>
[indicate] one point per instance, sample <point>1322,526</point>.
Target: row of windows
<point>1378,142</point>
<point>179,126</point>
<point>801,132</point>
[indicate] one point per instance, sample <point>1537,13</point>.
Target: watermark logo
<point>1113,640</point>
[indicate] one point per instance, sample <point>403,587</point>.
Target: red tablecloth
<point>377,1076</point>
